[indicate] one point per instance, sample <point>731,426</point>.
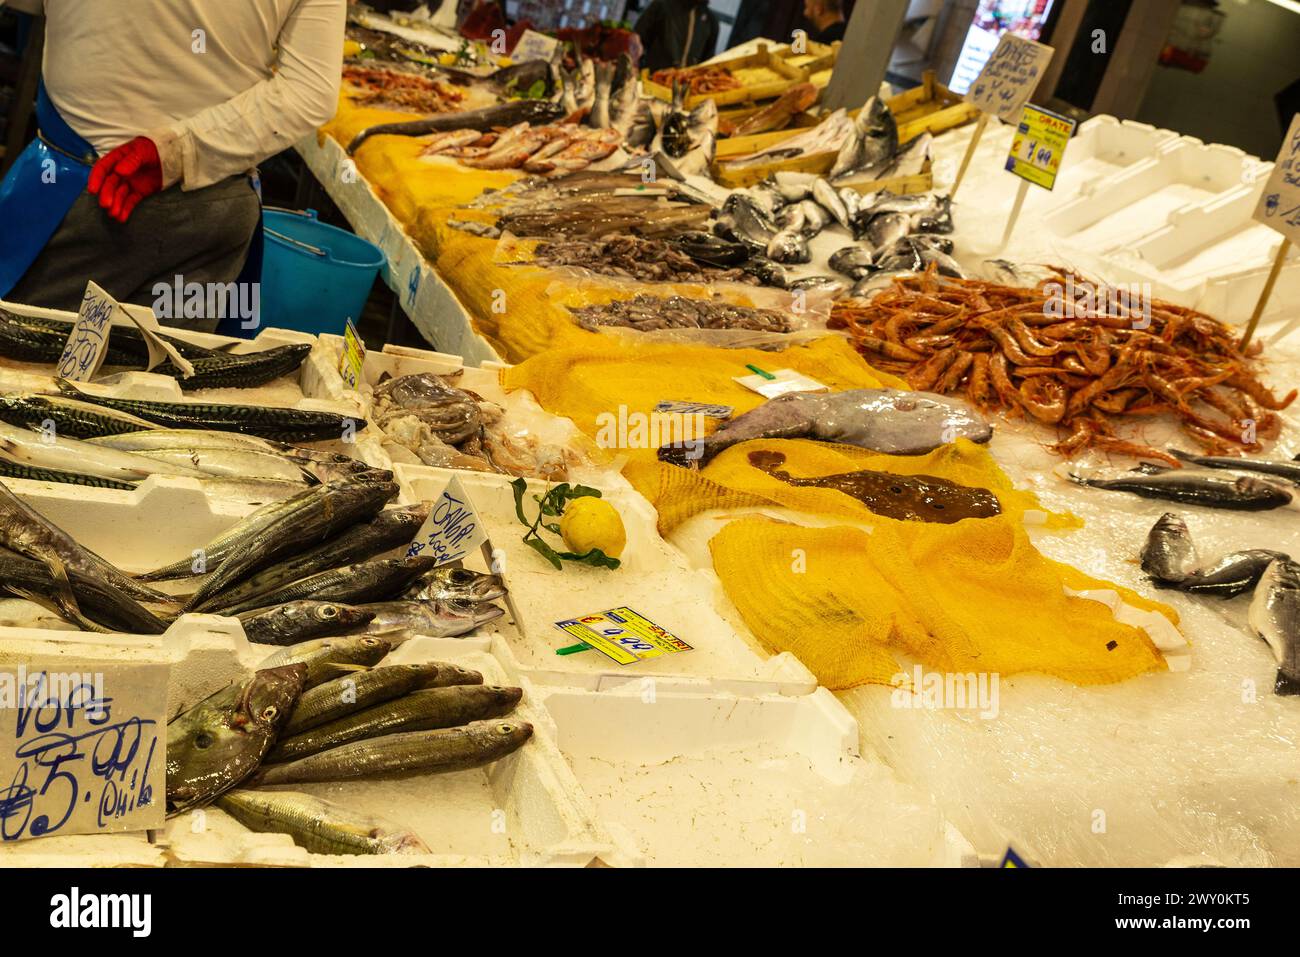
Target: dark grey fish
<point>853,261</point>
<point>1233,574</point>
<point>535,112</point>
<point>1169,554</point>
<point>1205,487</point>
<point>298,621</point>
<point>742,220</point>
<point>885,229</point>
<point>789,246</point>
<point>1280,468</point>
<point>222,739</point>
<point>353,584</point>
<point>88,602</point>
<point>33,474</point>
<point>351,693</point>
<point>1274,615</point>
<point>893,421</point>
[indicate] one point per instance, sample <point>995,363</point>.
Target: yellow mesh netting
<point>971,597</point>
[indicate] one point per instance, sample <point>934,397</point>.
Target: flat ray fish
<point>908,498</point>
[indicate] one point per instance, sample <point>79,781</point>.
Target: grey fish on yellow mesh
<point>270,422</point>
<point>893,421</point>
<point>222,739</point>
<point>418,711</point>
<point>389,529</point>
<point>320,826</point>
<point>328,658</point>
<point>316,516</point>
<point>30,534</point>
<point>94,605</point>
<point>404,753</point>
<point>355,692</point>
<point>298,621</point>
<point>447,583</point>
<point>433,619</point>
<point>361,582</point>
<point>923,498</point>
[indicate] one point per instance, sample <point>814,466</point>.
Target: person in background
<point>677,33</point>
<point>153,115</point>
<point>826,18</point>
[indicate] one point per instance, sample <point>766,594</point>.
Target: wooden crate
<point>764,58</point>
<point>930,108</point>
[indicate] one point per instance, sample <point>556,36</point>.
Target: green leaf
<point>594,557</point>
<point>546,551</point>
<point>520,486</point>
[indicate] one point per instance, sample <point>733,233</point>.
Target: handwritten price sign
<point>453,528</point>
<point>81,752</point>
<point>1279,205</point>
<point>1010,77</point>
<point>83,353</point>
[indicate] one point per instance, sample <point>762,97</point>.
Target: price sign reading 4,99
<point>1039,145</point>
<point>82,748</point>
<point>623,635</point>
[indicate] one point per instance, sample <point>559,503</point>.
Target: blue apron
<point>39,190</point>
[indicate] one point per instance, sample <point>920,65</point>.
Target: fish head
<point>463,584</point>
<point>222,739</point>
<point>345,616</point>
<point>365,650</point>
<point>504,735</point>
<point>503,698</point>
<point>1261,490</point>
<point>469,613</point>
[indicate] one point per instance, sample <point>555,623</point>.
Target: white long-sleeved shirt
<point>218,85</point>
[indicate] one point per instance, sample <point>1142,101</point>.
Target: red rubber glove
<point>125,176</point>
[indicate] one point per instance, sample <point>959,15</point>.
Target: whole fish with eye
<point>871,145</point>
<point>1207,487</point>
<point>351,693</point>
<point>908,498</point>
<point>87,602</point>
<point>298,621</point>
<point>892,421</point>
<point>398,620</point>
<point>360,582</point>
<point>317,825</point>
<point>534,112</point>
<point>448,583</point>
<point>48,450</point>
<point>327,658</point>
<point>271,422</point>
<point>221,740</point>
<point>1169,557</point>
<point>405,753</point>
<point>319,514</point>
<point>1274,615</point>
<point>423,710</point>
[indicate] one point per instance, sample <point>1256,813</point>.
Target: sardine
<point>405,753</point>
<point>424,710</point>
<point>327,658</point>
<point>1205,487</point>
<point>1274,615</point>
<point>1169,554</point>
<point>892,421</point>
<point>220,741</point>
<point>317,825</point>
<point>536,112</point>
<point>298,621</point>
<point>353,584</point>
<point>351,693</point>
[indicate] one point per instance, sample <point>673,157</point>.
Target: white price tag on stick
<point>82,748</point>
<point>1279,204</point>
<point>1010,77</point>
<point>453,528</point>
<point>84,351</point>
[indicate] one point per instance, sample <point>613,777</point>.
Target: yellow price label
<point>1039,146</point>
<point>623,635</point>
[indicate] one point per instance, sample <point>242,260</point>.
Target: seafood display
<point>647,313</point>
<point>698,80</point>
<point>398,88</point>
<point>1084,367</point>
<point>777,115</point>
<point>632,257</point>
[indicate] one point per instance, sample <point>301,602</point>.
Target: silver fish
<point>789,246</point>
<point>1169,554</point>
<point>433,619</point>
<point>1278,467</point>
<point>826,195</point>
<point>872,144</point>
<point>892,421</point>
<point>233,463</point>
<point>298,621</point>
<point>44,450</point>
<point>450,584</point>
<point>1274,615</point>
<point>793,185</point>
<point>1233,574</point>
<point>317,825</point>
<point>1206,487</point>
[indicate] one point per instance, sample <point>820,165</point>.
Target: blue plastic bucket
<point>314,276</point>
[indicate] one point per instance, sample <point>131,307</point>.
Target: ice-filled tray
<point>654,580</point>
<point>687,779</point>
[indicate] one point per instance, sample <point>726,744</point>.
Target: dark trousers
<point>202,236</point>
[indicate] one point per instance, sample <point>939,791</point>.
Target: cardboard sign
<point>1039,145</point>
<point>83,353</point>
<point>453,528</point>
<point>623,635</point>
<point>354,355</point>
<point>1279,205</point>
<point>534,46</point>
<point>82,748</point>
<point>1010,77</point>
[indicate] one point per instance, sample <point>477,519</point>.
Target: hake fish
<point>405,753</point>
<point>221,740</point>
<point>326,658</point>
<point>319,826</point>
<point>423,710</point>
<point>892,421</point>
<point>1274,615</point>
<point>916,498</point>
<point>351,693</point>
<point>298,621</point>
<point>1207,487</point>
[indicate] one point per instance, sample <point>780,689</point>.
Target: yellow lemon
<point>589,523</point>
<point>351,48</point>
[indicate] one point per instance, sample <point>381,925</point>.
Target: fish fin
<point>60,606</point>
<point>1286,685</point>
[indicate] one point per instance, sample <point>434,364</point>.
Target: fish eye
<point>329,611</point>
<point>203,740</point>
<point>370,641</point>
<point>269,712</point>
